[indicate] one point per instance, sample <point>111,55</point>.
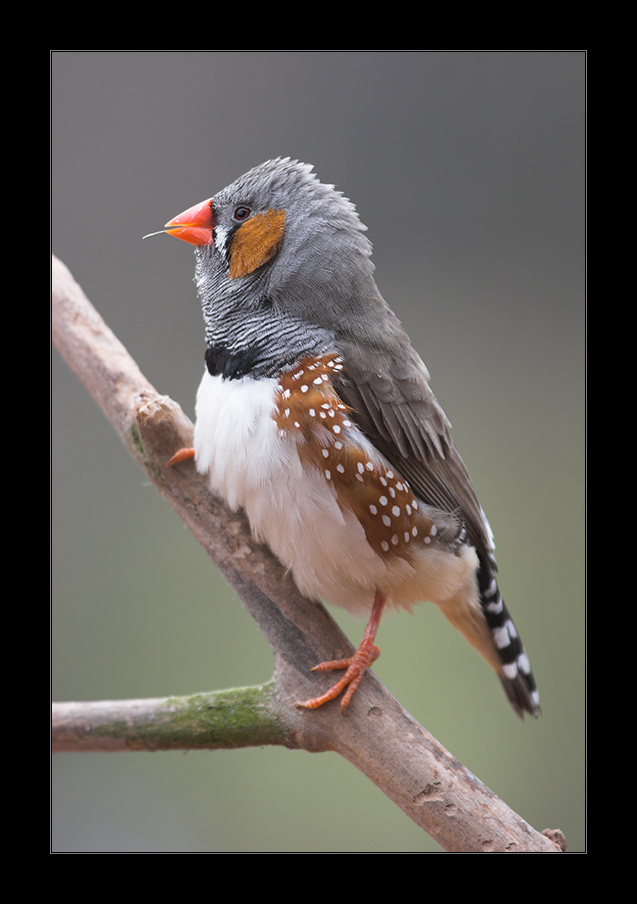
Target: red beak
<point>194,225</point>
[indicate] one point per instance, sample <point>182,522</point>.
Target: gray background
<point>468,169</point>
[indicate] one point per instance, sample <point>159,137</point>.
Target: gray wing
<point>387,388</point>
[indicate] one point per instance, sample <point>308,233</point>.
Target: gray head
<point>283,265</point>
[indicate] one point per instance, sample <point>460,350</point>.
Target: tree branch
<point>239,717</point>
<point>377,735</point>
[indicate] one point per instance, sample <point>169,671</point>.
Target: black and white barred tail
<point>516,675</point>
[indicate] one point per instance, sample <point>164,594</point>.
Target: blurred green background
<point>468,169</point>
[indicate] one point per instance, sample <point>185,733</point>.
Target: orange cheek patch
<point>256,242</point>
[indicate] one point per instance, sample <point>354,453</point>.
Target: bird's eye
<point>241,213</point>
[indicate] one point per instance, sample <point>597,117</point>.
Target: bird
<point>315,416</point>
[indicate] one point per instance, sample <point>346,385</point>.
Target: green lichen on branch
<point>238,717</point>
<point>227,719</point>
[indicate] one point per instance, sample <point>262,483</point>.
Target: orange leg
<point>356,667</point>
<point>181,455</point>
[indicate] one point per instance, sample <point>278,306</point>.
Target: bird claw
<point>355,667</point>
<point>181,455</point>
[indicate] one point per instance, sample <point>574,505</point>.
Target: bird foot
<point>181,455</point>
<point>355,667</point>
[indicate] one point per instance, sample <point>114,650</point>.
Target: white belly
<point>294,509</point>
